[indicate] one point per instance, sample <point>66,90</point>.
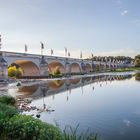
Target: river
<point>107,104</point>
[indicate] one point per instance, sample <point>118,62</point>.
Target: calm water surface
<point>107,104</point>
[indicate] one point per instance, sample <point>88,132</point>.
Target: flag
<point>42,45</point>
<point>0,38</point>
<point>81,55</point>
<point>26,48</point>
<point>51,51</point>
<point>68,54</point>
<point>66,51</point>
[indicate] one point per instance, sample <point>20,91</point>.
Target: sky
<point>101,27</point>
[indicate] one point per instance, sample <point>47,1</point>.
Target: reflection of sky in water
<point>110,108</point>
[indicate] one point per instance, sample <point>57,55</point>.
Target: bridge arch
<point>29,68</point>
<point>88,67</point>
<point>56,65</point>
<point>75,68</point>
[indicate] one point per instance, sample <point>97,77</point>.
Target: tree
<point>137,62</point>
<point>13,71</point>
<point>57,71</point>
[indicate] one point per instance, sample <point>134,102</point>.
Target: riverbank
<point>15,126</point>
<point>126,69</point>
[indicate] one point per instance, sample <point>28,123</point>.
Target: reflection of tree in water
<point>55,84</point>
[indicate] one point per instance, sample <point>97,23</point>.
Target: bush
<point>137,76</point>
<point>14,126</point>
<point>7,100</point>
<point>22,127</point>
<point>56,72</point>
<point>14,71</point>
<point>7,111</point>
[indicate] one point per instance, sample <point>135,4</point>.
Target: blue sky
<point>101,27</point>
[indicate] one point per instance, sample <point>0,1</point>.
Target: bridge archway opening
<point>29,68</point>
<point>102,66</point>
<point>75,68</point>
<point>88,68</point>
<point>56,65</point>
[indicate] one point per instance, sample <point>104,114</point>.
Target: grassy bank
<point>15,126</point>
<point>125,69</point>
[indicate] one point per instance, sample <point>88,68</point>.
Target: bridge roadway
<point>38,65</point>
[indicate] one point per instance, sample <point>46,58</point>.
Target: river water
<point>107,104</point>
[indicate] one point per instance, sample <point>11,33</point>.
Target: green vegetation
<point>125,69</point>
<point>14,71</point>
<point>97,68</point>
<point>7,111</point>
<point>14,126</point>
<point>21,127</point>
<point>137,61</point>
<point>7,100</point>
<point>137,76</point>
<point>71,134</point>
<point>56,72</point>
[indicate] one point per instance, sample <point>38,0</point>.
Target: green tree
<point>137,62</point>
<point>13,71</point>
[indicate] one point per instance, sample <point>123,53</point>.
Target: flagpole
<point>81,55</point>
<point>65,52</point>
<point>42,47</point>
<point>25,49</point>
<point>0,43</point>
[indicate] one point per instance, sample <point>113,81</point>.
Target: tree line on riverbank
<point>118,59</point>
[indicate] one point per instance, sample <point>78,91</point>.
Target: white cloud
<point>123,13</point>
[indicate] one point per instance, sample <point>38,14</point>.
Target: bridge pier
<point>3,69</point>
<point>67,67</point>
<point>44,68</point>
<point>83,67</point>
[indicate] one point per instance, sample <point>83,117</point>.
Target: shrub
<point>14,71</point>
<point>137,76</point>
<point>56,71</point>
<point>22,127</point>
<point>7,111</point>
<point>7,100</point>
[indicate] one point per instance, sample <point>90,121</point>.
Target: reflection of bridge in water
<point>52,87</point>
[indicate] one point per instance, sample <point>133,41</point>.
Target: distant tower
<point>44,69</point>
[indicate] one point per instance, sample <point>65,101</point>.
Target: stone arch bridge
<point>38,65</point>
